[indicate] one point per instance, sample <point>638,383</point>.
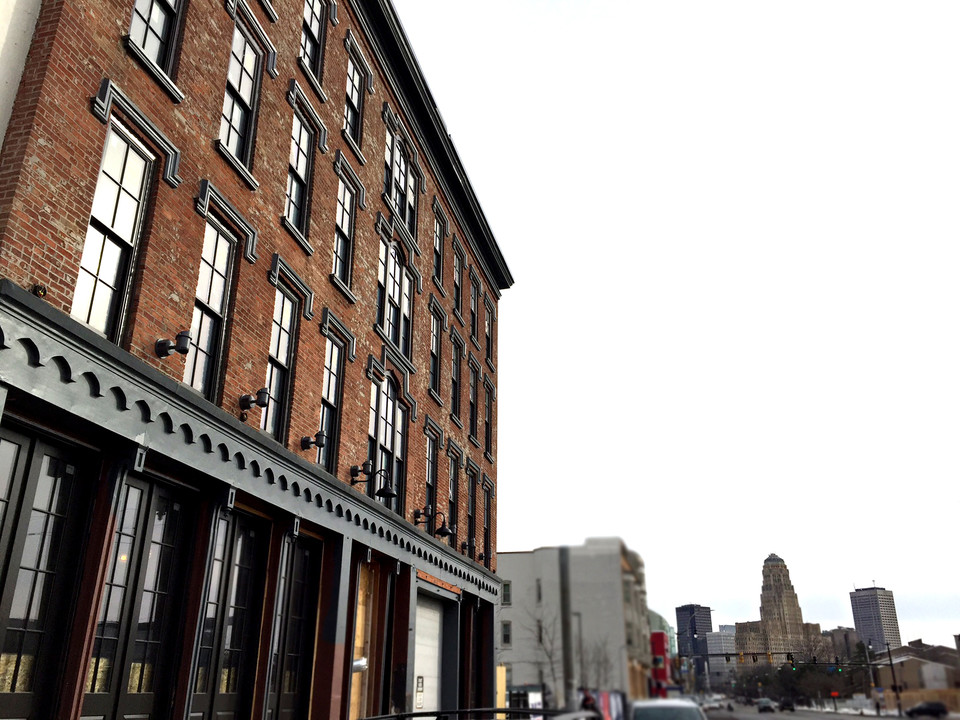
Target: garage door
<point>426,663</point>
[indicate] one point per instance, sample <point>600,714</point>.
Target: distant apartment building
<point>875,617</point>
<point>781,629</point>
<point>608,619</point>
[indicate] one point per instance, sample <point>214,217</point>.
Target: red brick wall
<point>48,172</point>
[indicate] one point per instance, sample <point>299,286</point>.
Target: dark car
<point>766,705</point>
<point>787,704</point>
<point>931,709</point>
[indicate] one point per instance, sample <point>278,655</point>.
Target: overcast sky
<point>735,328</point>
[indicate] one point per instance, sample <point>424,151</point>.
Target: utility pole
<point>893,679</point>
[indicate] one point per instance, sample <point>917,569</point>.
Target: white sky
<point>735,328</point>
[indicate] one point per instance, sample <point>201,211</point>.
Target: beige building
<point>781,629</point>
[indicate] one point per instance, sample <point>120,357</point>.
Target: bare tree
<point>598,665</point>
<point>543,628</point>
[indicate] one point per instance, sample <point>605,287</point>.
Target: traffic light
<point>726,658</point>
<point>770,658</point>
<point>814,659</point>
<point>754,658</point>
<point>740,660</point>
<point>836,660</point>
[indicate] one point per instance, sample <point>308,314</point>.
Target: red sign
<point>834,694</point>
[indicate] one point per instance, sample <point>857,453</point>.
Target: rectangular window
<point>507,596</point>
<point>240,98</point>
<point>471,512</point>
<point>455,379</point>
<point>394,297</point>
<point>153,30</point>
<point>487,539</point>
<point>353,108</point>
<point>311,39</point>
<point>399,181</point>
<point>298,174</point>
<point>453,504</point>
<point>430,491</point>
<point>330,404</point>
<point>280,364</point>
<point>436,330</point>
<point>506,633</point>
<point>458,283</point>
<point>474,379</point>
<point>438,250</point>
<point>343,237</point>
<point>488,420</point>
<point>115,220</point>
<point>223,679</point>
<point>209,312</point>
<point>488,333</point>
<point>474,308</point>
<point>387,444</point>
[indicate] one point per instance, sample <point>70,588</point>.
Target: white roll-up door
<point>426,662</point>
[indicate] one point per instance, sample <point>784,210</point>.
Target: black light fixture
<point>261,399</point>
<point>386,492</point>
<point>420,517</point>
<point>166,348</point>
<point>317,441</point>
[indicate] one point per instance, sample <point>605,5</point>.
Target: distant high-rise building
<point>781,628</point>
<point>693,624</point>
<point>722,663</point>
<point>875,617</point>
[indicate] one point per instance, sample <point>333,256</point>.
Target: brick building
<point>248,334</point>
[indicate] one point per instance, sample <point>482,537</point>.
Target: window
<point>353,108</point>
<point>458,283</point>
<point>343,238</point>
<point>394,297</point>
<point>330,404</point>
<point>436,332</point>
<point>153,29</point>
<point>487,510</point>
<point>488,420</point>
<point>474,308</point>
<point>209,312</point>
<point>240,98</point>
<point>455,365</point>
<point>474,379</point>
<point>387,441</point>
<point>430,492</point>
<point>507,597</point>
<point>488,333</point>
<point>291,645</point>
<point>115,220</point>
<point>43,501</point>
<point>399,181</point>
<point>471,511</point>
<point>223,677</point>
<point>506,633</point>
<point>132,668</point>
<point>453,504</point>
<point>539,591</point>
<point>280,363</point>
<point>298,174</point>
<point>438,233</point>
<point>312,37</point>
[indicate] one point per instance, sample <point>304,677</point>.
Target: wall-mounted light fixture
<point>166,348</point>
<point>317,441</point>
<point>420,517</point>
<point>386,492</point>
<point>467,547</point>
<point>261,399</point>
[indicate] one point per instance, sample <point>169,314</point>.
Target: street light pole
<point>893,679</point>
<point>577,614</point>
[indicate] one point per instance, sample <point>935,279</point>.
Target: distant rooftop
<point>771,558</point>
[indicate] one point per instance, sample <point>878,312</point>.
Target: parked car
<point>666,709</point>
<point>931,709</point>
<point>787,704</point>
<point>766,705</point>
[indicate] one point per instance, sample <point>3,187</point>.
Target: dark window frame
<point>275,418</point>
<point>390,413</point>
